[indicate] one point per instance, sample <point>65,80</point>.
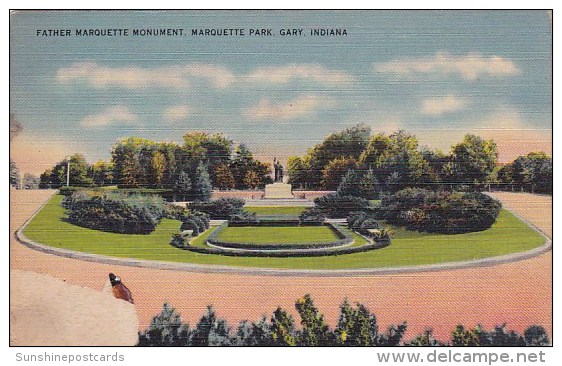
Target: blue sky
<point>436,74</point>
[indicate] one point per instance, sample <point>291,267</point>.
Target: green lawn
<point>277,234</point>
<point>275,210</point>
<point>408,248</point>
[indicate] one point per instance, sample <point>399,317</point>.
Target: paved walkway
<point>518,293</point>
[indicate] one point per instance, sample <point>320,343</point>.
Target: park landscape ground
<point>422,299</point>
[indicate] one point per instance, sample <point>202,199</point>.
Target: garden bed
<point>409,248</point>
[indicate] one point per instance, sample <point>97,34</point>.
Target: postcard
<point>281,178</point>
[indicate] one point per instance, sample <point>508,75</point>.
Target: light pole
<point>67,170</point>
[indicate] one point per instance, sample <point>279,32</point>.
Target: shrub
<point>245,218</point>
<point>175,212</point>
<point>152,203</point>
<point>200,223</point>
<point>190,224</point>
<point>336,206</point>
<point>221,209</point>
<point>441,212</point>
<point>80,195</point>
<point>67,191</point>
<point>106,214</point>
<point>311,216</point>
<point>196,221</point>
<point>178,240</point>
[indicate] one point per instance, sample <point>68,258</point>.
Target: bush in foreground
<point>440,212</point>
<point>356,326</point>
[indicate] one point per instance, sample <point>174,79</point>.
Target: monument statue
<point>278,189</point>
<point>278,168</point>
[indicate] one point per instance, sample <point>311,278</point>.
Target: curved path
<point>519,293</point>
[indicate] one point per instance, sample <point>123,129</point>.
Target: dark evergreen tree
<point>282,329</point>
<point>166,329</point>
<point>202,188</point>
<point>211,331</point>
<point>182,186</point>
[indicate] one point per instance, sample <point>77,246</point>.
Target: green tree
<point>125,159</point>
<point>297,170</point>
<point>472,160</point>
<point>315,331</point>
<point>166,329</point>
<point>157,169</point>
<point>244,162</point>
<point>397,161</point>
<point>14,174</point>
<point>211,331</point>
<point>252,180</point>
<point>254,334</point>
<point>349,184</point>
<point>466,337</point>
<point>202,188</point>
<point>30,181</point>
<point>102,173</point>
<point>426,339</point>
<point>369,185</point>
<point>356,326</point>
<point>536,335</point>
<point>222,176</point>
<point>335,170</point>
<point>80,173</point>
<point>182,186</point>
<point>282,328</point>
<point>347,143</point>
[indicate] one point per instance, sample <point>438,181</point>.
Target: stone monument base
<point>278,190</point>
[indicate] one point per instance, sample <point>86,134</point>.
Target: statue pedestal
<point>278,190</point>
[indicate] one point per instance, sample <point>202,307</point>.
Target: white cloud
<point>291,72</point>
<point>117,114</point>
<point>219,76</point>
<point>267,110</point>
<point>469,67</point>
<point>177,113</point>
<point>441,105</point>
<point>99,76</point>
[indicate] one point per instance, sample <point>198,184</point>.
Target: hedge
<point>221,209</point>
<point>441,212</point>
<point>336,206</point>
<point>288,252</point>
<point>344,238</point>
<point>110,215</point>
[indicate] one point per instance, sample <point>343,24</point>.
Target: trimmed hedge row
<point>287,253</point>
<point>344,238</point>
<point>221,209</point>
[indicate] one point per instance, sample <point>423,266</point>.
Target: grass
<point>277,234</point>
<point>507,235</point>
<point>275,210</point>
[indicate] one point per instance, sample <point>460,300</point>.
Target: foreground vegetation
<point>507,235</point>
<point>357,326</point>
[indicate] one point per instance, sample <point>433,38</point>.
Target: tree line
<point>185,169</point>
<point>354,159</point>
<point>356,326</point>
<point>363,161</point>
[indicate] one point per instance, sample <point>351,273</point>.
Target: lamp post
<point>67,170</point>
